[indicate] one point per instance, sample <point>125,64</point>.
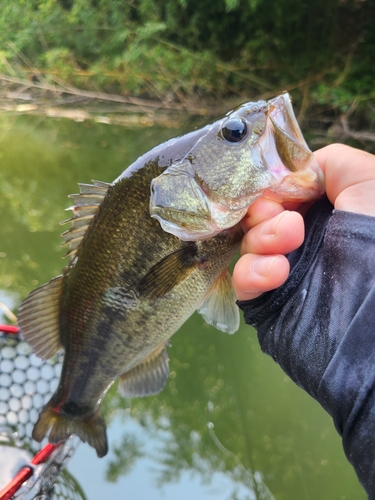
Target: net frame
<point>44,475</point>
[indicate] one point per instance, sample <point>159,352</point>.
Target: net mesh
<point>26,384</point>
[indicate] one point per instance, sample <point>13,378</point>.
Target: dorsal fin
<point>86,205</point>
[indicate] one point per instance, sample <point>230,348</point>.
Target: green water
<point>227,415</point>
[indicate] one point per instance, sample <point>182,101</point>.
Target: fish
<point>148,250</point>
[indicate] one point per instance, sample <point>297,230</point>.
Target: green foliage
<point>321,50</point>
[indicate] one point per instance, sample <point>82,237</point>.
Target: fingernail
<point>269,227</point>
<point>262,265</point>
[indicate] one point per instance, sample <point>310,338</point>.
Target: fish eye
<point>234,130</point>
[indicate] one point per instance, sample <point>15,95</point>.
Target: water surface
<point>229,423</point>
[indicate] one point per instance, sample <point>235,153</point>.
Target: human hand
<point>273,229</point>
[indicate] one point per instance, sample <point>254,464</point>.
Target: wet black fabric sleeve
<point>320,326</point>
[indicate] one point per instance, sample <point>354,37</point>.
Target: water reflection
<point>227,413</point>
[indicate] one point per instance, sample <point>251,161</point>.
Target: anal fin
<point>148,377</point>
<point>38,318</point>
<point>219,308</point>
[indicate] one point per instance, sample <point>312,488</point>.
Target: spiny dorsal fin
<point>86,205</point>
<point>38,318</point>
<point>219,307</point>
<point>149,377</point>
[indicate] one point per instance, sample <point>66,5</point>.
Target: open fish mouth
<point>296,174</point>
<point>258,149</point>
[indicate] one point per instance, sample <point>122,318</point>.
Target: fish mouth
<point>295,172</point>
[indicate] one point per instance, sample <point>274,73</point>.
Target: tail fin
<point>91,430</point>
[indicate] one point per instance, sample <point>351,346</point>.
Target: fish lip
<point>299,176</point>
<point>280,107</point>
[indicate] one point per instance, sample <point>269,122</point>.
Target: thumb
<point>350,178</point>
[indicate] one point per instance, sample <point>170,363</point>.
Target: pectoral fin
<point>38,318</point>
<point>219,307</point>
<point>169,272</point>
<point>149,377</point>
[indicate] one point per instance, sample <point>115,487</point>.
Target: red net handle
<point>26,472</point>
<point>9,329</point>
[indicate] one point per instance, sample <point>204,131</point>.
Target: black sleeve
<point>320,326</point>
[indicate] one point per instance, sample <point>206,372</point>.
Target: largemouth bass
<point>148,250</point>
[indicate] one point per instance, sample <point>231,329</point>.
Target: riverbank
<point>143,62</point>
<point>59,100</point>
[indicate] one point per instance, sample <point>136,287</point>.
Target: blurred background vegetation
<point>194,56</point>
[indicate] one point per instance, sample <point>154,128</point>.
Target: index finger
<point>259,211</point>
<point>265,208</point>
